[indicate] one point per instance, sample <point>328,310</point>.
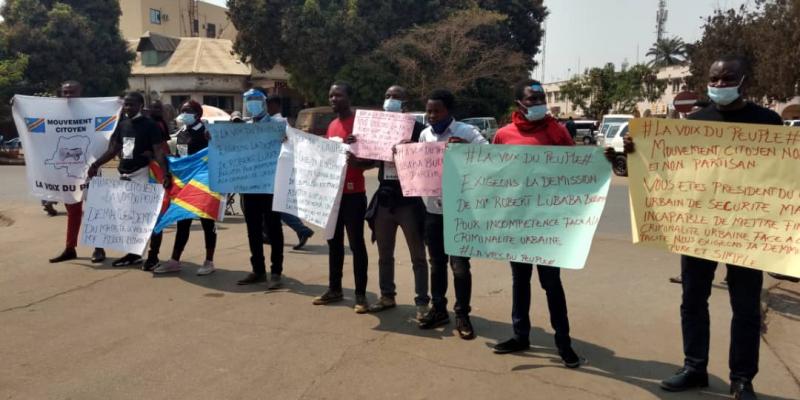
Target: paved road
<point>79,331</point>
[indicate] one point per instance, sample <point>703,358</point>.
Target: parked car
<point>315,120</point>
<point>609,121</point>
<point>486,125</point>
<point>614,138</point>
<point>586,130</point>
<point>421,117</point>
<point>792,122</point>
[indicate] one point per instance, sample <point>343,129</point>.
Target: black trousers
<point>550,280</point>
<point>744,289</point>
<point>257,213</point>
<point>462,277</point>
<point>183,231</point>
<point>350,219</point>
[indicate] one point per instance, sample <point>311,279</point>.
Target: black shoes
<point>784,277</point>
<point>98,256</point>
<point>127,260</point>
<point>743,390</point>
<point>569,358</point>
<point>433,319</point>
<point>685,379</point>
<point>151,263</point>
<point>302,240</point>
<point>49,209</point>
<point>252,279</point>
<point>464,328</point>
<point>511,346</point>
<point>66,255</point>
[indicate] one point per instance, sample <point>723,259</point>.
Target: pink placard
<point>377,132</point>
<point>419,167</point>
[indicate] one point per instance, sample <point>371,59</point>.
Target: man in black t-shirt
<point>727,80</point>
<point>137,141</point>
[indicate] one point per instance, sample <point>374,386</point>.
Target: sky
<point>590,33</point>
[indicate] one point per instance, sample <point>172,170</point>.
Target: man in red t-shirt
<point>532,126</point>
<point>352,209</point>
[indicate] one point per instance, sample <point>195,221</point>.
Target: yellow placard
<point>720,191</point>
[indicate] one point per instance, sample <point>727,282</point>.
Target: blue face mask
<point>723,96</point>
<point>392,105</point>
<point>441,126</point>
<point>255,107</point>
<point>186,119</point>
<point>536,113</point>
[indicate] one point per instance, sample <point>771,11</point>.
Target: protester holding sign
<point>726,89</point>
<point>531,126</point>
<point>387,211</point>
<point>72,89</point>
<point>137,141</point>
<point>352,208</point>
<point>257,208</point>
<point>192,137</point>
<point>444,128</point>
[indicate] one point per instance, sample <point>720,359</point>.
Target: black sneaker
<point>127,260</point>
<point>252,279</point>
<point>569,358</point>
<point>464,328</point>
<point>743,390</point>
<point>302,240</point>
<point>511,346</point>
<point>49,209</point>
<point>98,256</point>
<point>150,264</point>
<point>434,318</point>
<point>685,379</point>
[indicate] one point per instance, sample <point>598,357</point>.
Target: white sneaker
<point>207,268</point>
<point>422,311</point>
<point>168,267</point>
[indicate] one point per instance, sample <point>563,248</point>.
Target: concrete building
<point>674,76</point>
<point>177,18</point>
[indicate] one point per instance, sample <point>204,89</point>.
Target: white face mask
<point>186,119</point>
<point>392,105</point>
<point>724,95</point>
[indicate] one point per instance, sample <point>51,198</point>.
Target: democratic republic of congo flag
<point>189,196</point>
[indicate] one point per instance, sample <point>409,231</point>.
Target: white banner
<point>309,178</point>
<point>61,138</point>
<point>120,215</point>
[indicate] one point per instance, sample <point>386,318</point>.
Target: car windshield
<point>612,129</point>
<point>608,122</point>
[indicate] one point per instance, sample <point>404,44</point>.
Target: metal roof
<point>191,55</point>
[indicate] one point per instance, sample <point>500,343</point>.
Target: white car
<point>792,122</point>
<point>614,138</point>
<point>610,121</point>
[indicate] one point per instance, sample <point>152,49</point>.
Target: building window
<point>221,102</point>
<point>177,100</point>
<point>676,86</point>
<point>155,16</point>
<point>211,31</point>
<point>149,58</point>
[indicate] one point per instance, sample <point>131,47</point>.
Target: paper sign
<point>718,191</point>
<point>242,157</point>
<point>419,166</point>
<point>120,215</point>
<point>530,204</point>
<point>309,178</point>
<point>378,131</point>
<point>61,138</point>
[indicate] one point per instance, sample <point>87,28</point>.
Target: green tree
<point>601,90</point>
<point>67,39</point>
<point>318,41</point>
<point>667,52</point>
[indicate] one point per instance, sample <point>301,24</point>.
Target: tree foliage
<point>318,41</point>
<point>67,39</point>
<point>667,52</point>
<point>601,90</point>
<point>766,37</point>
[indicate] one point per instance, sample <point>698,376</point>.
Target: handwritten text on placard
<point>719,191</point>
<point>529,204</point>
<point>242,157</point>
<point>378,131</point>
<point>419,167</point>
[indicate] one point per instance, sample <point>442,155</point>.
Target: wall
<point>163,87</point>
<point>135,19</point>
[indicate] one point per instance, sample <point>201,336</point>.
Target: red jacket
<point>547,132</point>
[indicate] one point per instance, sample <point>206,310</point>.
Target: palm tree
<point>667,52</point>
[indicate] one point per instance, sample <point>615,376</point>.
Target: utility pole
<point>661,20</point>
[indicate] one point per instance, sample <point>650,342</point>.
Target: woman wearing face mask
<point>192,137</point>
<point>531,126</point>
